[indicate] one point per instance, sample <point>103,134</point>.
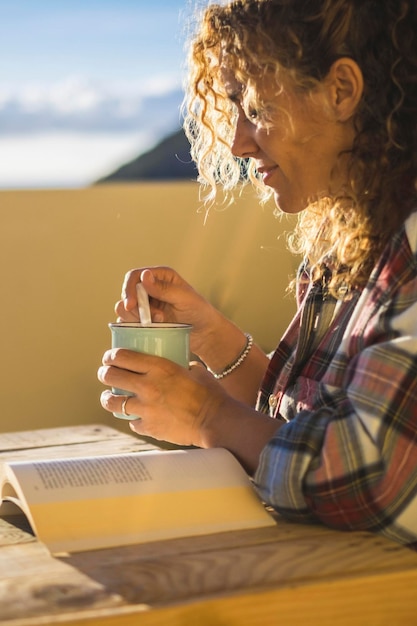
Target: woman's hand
<point>214,338</point>
<point>171,299</point>
<point>185,407</point>
<point>174,404</point>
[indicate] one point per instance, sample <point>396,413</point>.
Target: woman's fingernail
<point>150,275</point>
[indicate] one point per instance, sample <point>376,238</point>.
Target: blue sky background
<point>86,85</point>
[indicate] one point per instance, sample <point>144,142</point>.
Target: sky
<point>86,85</point>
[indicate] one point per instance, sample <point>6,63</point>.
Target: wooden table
<point>291,574</point>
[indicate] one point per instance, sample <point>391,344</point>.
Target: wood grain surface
<point>288,574</point>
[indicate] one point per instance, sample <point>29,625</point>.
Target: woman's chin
<point>285,206</point>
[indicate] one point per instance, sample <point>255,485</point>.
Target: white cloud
<point>75,131</point>
<point>64,160</point>
<point>82,105</point>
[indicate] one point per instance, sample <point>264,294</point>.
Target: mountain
<point>168,160</point>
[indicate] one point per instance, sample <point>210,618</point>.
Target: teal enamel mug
<point>171,341</point>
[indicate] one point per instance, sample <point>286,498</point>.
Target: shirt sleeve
<point>351,461</point>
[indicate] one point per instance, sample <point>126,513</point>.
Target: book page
<point>125,474</point>
<point>77,504</point>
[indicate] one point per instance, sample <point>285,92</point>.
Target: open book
<point>76,504</point>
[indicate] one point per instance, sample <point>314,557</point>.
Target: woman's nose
<point>244,144</point>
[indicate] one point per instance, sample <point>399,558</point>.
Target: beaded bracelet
<point>242,356</point>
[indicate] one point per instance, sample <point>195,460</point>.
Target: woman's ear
<point>345,84</point>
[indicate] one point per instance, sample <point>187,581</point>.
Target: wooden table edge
<point>384,600</point>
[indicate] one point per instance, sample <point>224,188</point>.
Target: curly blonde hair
<point>301,39</point>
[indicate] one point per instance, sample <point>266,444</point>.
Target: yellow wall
<point>63,257</point>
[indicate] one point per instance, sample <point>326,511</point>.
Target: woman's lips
<point>267,172</point>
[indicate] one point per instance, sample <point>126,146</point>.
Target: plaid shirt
<point>343,381</point>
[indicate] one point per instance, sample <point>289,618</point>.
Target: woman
<point>316,103</point>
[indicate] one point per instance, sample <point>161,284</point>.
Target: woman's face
<point>297,156</point>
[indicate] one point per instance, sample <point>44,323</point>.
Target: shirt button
<point>273,401</point>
